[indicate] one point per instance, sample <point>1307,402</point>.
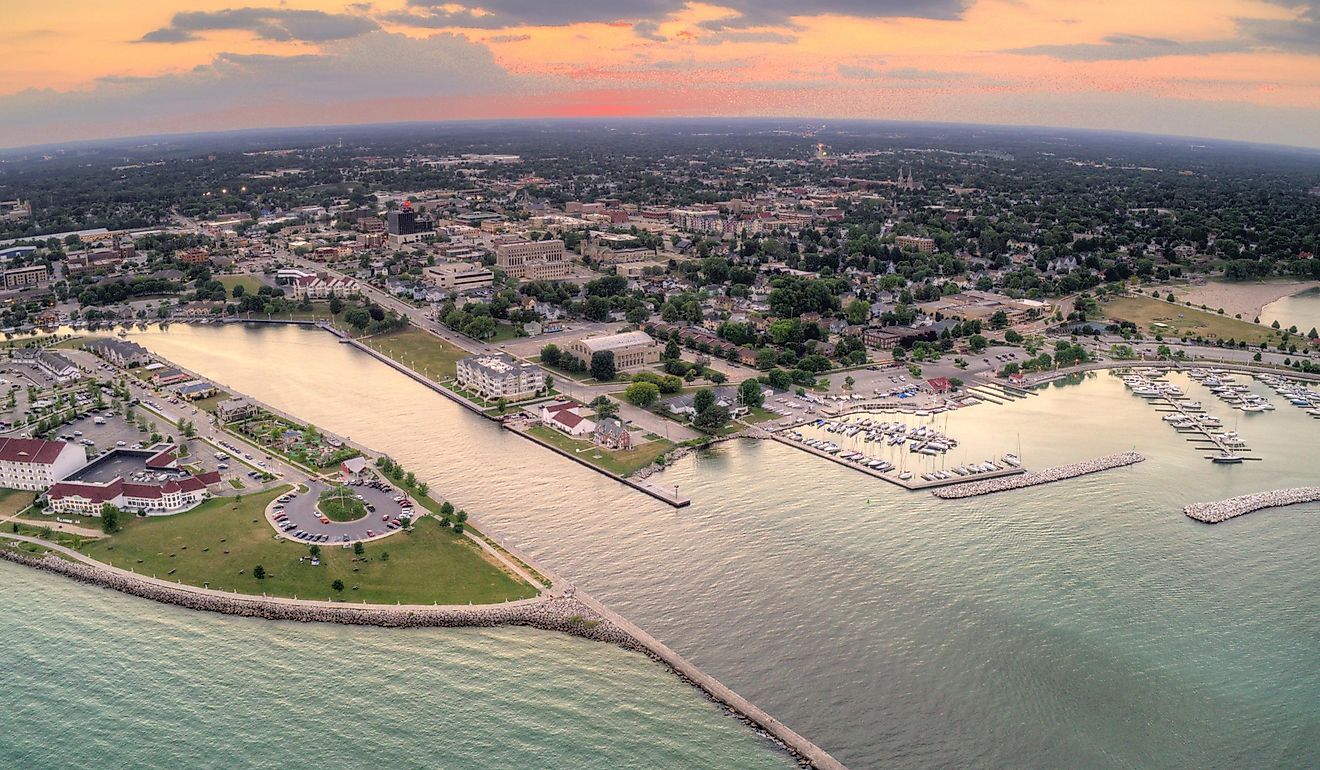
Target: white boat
<point>1012,460</point>
<point>905,475</point>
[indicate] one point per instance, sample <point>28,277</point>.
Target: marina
<point>1189,417</point>
<point>1223,510</point>
<point>899,440</point>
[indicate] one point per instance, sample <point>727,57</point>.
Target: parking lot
<point>297,516</point>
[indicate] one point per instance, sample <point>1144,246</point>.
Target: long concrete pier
<point>1073,470</point>
<point>890,476</point>
<point>1223,510</point>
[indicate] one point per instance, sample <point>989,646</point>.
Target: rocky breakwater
<point>1072,470</point>
<point>1223,510</point>
<point>566,614</point>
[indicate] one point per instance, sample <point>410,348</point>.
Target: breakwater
<point>1223,510</point>
<point>579,616</point>
<point>1072,470</point>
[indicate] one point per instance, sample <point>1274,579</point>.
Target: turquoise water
<point>1300,310</point>
<point>100,680</point>
<point>1080,624</point>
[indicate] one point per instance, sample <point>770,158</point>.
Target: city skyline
<point>1229,69</point>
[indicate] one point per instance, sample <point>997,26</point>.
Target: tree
<point>849,382</point>
<point>604,407</point>
<point>110,522</point>
<point>858,312</point>
<point>315,551</point>
<point>703,399</point>
<point>642,394</point>
<point>336,304</point>
<point>977,343</point>
<point>258,572</point>
<point>446,508</point>
<point>711,419</point>
<point>750,394</point>
<point>551,355</point>
<point>338,585</point>
<point>358,548</point>
<point>1012,337</point>
<point>602,365</point>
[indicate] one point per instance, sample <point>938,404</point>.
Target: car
<point>385,517</point>
<point>393,525</point>
<point>121,443</point>
<point>324,519</point>
<point>371,533</point>
<point>77,433</point>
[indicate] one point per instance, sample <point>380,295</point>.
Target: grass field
<point>209,404</point>
<point>219,542</point>
<point>14,500</point>
<point>419,350</point>
<point>623,461</point>
<point>250,283</point>
<point>1182,321</point>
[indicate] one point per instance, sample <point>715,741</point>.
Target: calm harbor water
<point>1086,623</point>
<point>99,680</point>
<point>1300,310</point>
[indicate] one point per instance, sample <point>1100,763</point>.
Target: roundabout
<point>299,516</point>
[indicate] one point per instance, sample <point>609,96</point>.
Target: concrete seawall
<point>580,616</point>
<point>1073,470</point>
<point>1223,510</point>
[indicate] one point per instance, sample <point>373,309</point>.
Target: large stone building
<point>459,276</point>
<point>500,376</point>
<point>631,349</point>
<point>533,260</point>
<point>147,481</point>
<point>23,277</point>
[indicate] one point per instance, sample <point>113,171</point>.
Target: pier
<point>912,484</point>
<point>1223,510</point>
<point>1060,473</point>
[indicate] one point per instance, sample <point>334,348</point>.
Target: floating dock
<point>913,483</point>
<point>1223,510</point>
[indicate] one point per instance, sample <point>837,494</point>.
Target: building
<point>197,255</point>
<point>55,366</point>
<point>197,389</point>
<point>406,226</point>
<point>611,433</point>
<point>631,349</point>
<point>915,243</point>
<point>567,417</point>
<point>164,376</point>
<point>500,376</point>
<point>235,409</point>
<point>532,260</point>
<point>119,352</point>
<point>459,276</point>
<point>145,481</point>
<point>316,287</point>
<point>23,277</point>
<point>34,464</point>
<point>880,339</point>
<point>353,468</point>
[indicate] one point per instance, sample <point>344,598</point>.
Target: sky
<point>88,69</point>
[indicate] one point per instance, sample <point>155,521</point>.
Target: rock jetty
<point>564,614</point>
<point>1072,470</point>
<point>1223,510</point>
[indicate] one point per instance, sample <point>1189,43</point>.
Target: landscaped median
<point>220,543</point>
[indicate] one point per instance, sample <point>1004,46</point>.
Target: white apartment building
<point>533,260</point>
<point>459,276</point>
<point>34,464</point>
<point>500,376</point>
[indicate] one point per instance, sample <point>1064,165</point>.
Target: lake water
<point>101,680</point>
<point>1086,623</point>
<point>1300,310</point>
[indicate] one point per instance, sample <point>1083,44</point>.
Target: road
<point>302,511</point>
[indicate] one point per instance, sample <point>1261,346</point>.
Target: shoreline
<point>1248,298</point>
<point>579,616</point>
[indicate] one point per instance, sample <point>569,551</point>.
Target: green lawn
<point>624,462</point>
<point>220,541</point>
<point>250,283</point>
<point>1174,321</point>
<point>419,350</point>
<point>209,404</point>
<point>340,505</point>
<point>14,500</point>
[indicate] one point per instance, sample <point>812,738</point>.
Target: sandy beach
<point>1245,299</point>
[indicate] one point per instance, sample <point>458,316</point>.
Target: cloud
<point>1300,34</point>
<point>748,36</point>
<point>280,24</point>
<point>1124,47</point>
<point>854,72</point>
<point>509,38</point>
<point>350,81</point>
<point>649,30</point>
<point>499,14</point>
